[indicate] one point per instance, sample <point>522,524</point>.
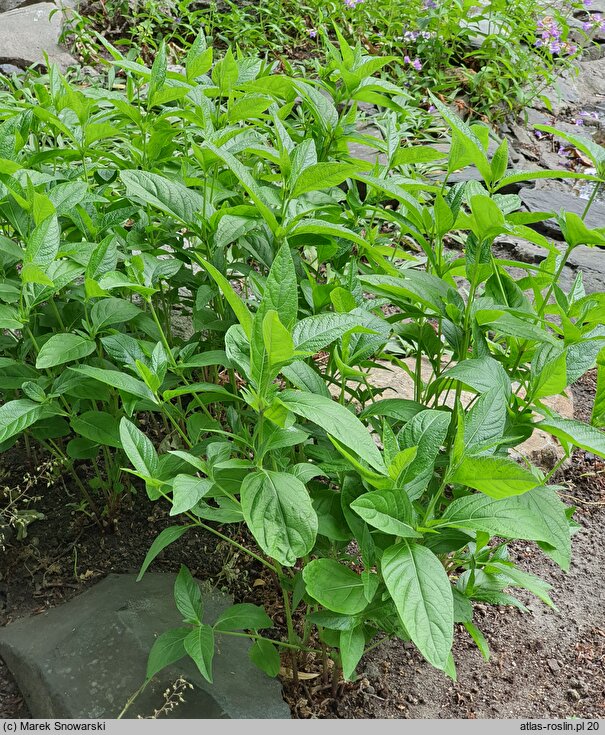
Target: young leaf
<point>337,421</point>
<point>321,176</point>
<point>15,416</point>
<point>277,340</point>
<point>422,593</point>
<point>62,348</point>
<point>98,426</point>
<point>167,649</point>
<point>240,310</point>
<point>243,617</point>
<point>188,597</point>
<point>265,656</point>
<point>187,491</point>
<point>577,433</point>
<point>139,449</point>
<point>335,586</point>
<point>497,477</point>
<point>279,512</point>
<point>165,538</point>
<point>426,431</point>
<point>352,645</point>
<point>390,511</point>
<point>281,288</point>
<point>121,381</point>
<point>199,644</point>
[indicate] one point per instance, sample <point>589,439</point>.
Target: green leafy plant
<point>198,281</point>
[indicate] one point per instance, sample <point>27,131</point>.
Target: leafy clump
<point>199,276</point>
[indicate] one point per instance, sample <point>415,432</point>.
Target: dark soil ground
<point>544,664</point>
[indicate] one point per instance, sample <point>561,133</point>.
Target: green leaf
<point>107,312</point>
<point>62,348</point>
<point>165,538</point>
<point>15,416</point>
<point>352,645</point>
<point>98,426</point>
<point>481,374</point>
<point>281,288</point>
<point>514,177</point>
<point>243,617</point>
<point>426,431</point>
<point>248,182</point>
<point>188,597</point>
<point>518,578</point>
<point>279,512</point>
<point>167,649</point>
<point>416,154</point>
<point>337,421</point>
<point>479,639</point>
<point>9,318</point>
<point>484,424</point>
<point>335,586</point>
<point>139,449</point>
<point>305,378</point>
<point>471,142</point>
<point>276,339</point>
<point>240,310</point>
<point>577,433</point>
<point>538,515</point>
<point>169,196</point>
<point>389,511</point>
<point>43,244</point>
<point>422,593</point>
<point>495,476</point>
<point>199,644</point>
<point>118,380</point>
<point>265,656</point>
<point>187,491</point>
<point>322,176</point>
<point>214,391</point>
<point>316,332</point>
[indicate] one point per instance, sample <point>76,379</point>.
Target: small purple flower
<point>587,3</point>
<point>578,121</point>
<point>417,64</point>
<point>432,108</point>
<point>312,33</point>
<point>539,134</point>
<point>587,26</point>
<point>407,60</point>
<point>563,151</point>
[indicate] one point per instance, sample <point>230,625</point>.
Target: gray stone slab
<point>28,32</point>
<point>554,198</point>
<point>589,260</point>
<point>86,658</point>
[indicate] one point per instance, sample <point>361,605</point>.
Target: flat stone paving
<point>85,658</point>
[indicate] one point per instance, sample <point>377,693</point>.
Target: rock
<point>86,658</point>
<point>9,69</point>
<point>581,86</point>
<point>27,32</point>
<point>573,695</point>
<point>554,198</point>
<point>6,5</point>
<point>591,261</point>
<point>553,665</point>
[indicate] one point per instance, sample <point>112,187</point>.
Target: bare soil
<point>544,664</point>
